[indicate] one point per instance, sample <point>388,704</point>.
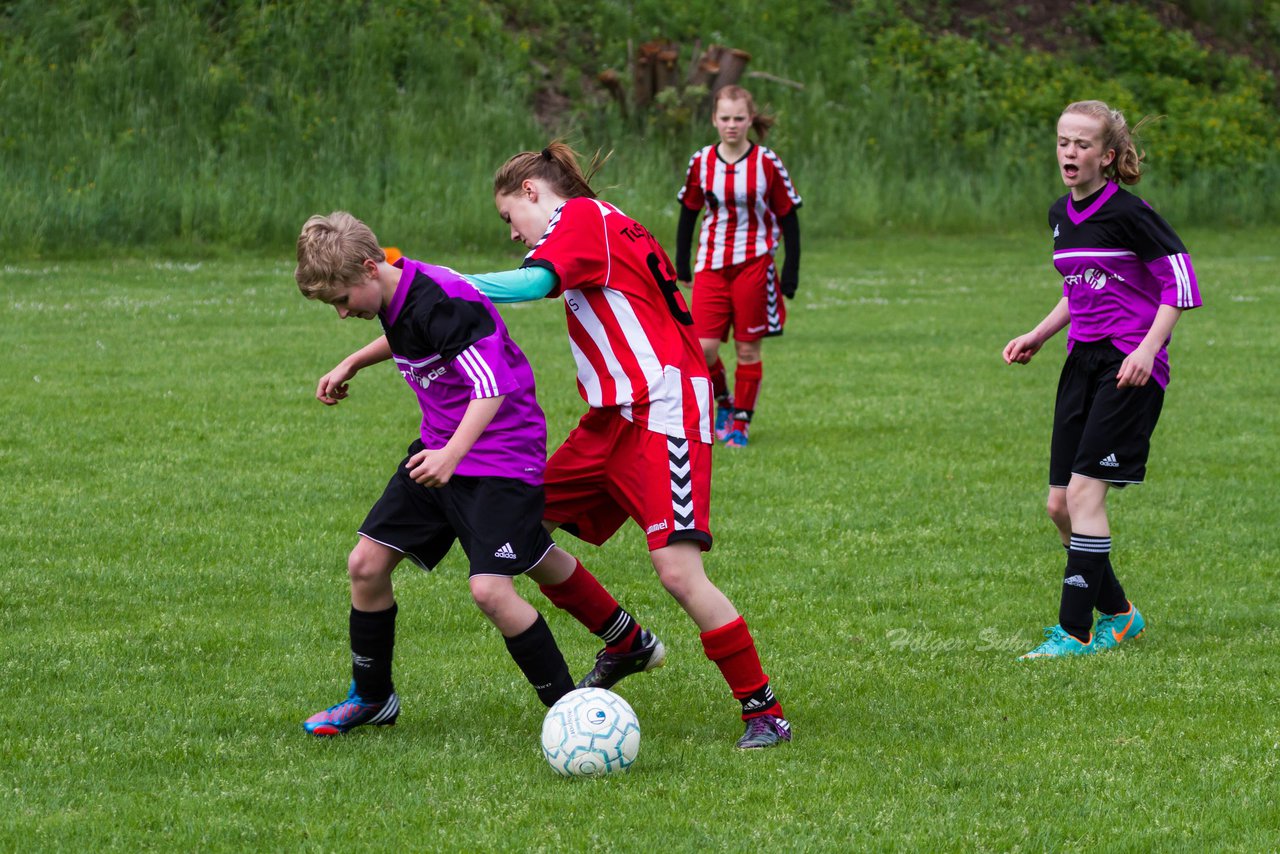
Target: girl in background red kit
<point>747,200</point>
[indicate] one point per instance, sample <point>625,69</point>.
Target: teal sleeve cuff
<point>527,283</point>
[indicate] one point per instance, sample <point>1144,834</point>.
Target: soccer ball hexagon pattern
<point>590,732</point>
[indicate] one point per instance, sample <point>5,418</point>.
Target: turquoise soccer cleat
<point>1059,643</point>
<point>1113,629</point>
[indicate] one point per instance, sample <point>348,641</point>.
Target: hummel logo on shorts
<point>506,551</point>
<point>1109,460</point>
<point>1077,581</point>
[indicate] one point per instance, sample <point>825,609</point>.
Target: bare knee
<point>490,593</point>
<point>710,350</point>
<point>498,600</point>
<point>1084,496</point>
<point>1057,508</point>
<point>680,570</point>
<point>676,581</point>
<point>679,567</point>
<point>748,352</point>
<point>370,565</point>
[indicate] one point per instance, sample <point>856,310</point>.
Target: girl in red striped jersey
<point>643,449</point>
<point>747,199</point>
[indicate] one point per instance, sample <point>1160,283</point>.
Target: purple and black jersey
<point>1120,261</point>
<point>452,347</point>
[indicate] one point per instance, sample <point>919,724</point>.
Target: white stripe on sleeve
<point>479,372</point>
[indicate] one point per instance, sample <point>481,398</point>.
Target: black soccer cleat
<point>611,668</point>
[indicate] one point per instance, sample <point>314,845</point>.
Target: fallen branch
<point>762,75</point>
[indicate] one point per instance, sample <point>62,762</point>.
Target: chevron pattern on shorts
<point>772,296</point>
<point>681,483</point>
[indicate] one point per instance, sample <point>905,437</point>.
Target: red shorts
<point>745,296</point>
<point>609,469</point>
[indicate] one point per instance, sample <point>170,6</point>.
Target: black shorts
<point>498,520</point>
<point>1101,431</point>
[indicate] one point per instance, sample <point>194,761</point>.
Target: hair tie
<point>546,154</point>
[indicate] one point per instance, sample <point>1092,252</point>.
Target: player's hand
<point>432,468</point>
<point>333,385</point>
<point>1021,349</point>
<point>1135,370</point>
<point>789,288</point>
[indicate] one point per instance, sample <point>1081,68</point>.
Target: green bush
<point>227,122</point>
<point>1220,108</point>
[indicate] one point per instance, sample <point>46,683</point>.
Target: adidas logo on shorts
<point>506,552</point>
<point>1109,461</point>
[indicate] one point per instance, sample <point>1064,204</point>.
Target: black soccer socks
<point>373,637</point>
<point>539,658</point>
<point>1087,562</point>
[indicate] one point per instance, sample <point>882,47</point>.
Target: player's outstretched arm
<point>1020,350</point>
<point>434,468</point>
<point>333,385</point>
<point>522,285</point>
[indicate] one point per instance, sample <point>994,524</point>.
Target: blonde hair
<point>1116,134</point>
<point>760,123</point>
<point>557,164</point>
<point>331,253</point>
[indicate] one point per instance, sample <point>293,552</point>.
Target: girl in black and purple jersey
<point>1126,279</point>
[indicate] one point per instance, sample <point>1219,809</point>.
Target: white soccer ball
<point>590,732</point>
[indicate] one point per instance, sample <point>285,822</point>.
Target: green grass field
<point>177,508</point>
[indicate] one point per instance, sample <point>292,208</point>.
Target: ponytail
<point>557,164</point>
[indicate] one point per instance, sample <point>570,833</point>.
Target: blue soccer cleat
<point>736,439</point>
<point>1112,629</point>
<point>1059,643</point>
<point>724,420</point>
<point>764,731</point>
<point>351,713</point>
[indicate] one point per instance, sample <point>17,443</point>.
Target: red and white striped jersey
<point>629,327</point>
<point>743,203</point>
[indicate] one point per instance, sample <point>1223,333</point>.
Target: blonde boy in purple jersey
<point>1127,278</point>
<point>474,474</point>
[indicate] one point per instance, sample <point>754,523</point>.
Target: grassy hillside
<point>204,124</point>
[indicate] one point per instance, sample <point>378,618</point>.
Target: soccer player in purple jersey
<point>474,474</point>
<point>1126,279</point>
